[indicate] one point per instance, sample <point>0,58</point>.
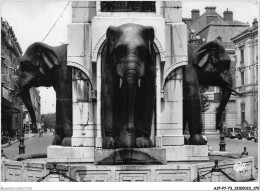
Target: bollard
<point>198,177</point>
<point>222,144</point>
<point>2,154</point>
<point>54,175</point>
<point>244,153</point>
<point>215,173</point>
<point>21,145</point>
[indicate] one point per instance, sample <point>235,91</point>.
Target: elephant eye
<point>121,51</point>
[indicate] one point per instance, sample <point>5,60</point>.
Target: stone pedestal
<point>61,154</point>
<point>187,153</point>
<point>133,156</point>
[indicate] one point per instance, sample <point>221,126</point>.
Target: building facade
<point>207,27</point>
<point>246,50</point>
<point>13,116</point>
<point>12,107</point>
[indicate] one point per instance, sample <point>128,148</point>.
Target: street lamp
<point>21,145</point>
<point>222,144</point>
<point>21,139</point>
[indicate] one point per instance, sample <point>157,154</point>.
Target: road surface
<point>33,145</point>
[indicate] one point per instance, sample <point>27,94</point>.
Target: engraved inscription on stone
<point>13,174</point>
<point>34,175</point>
<point>133,176</point>
<point>172,176</point>
<point>94,176</point>
<point>127,6</point>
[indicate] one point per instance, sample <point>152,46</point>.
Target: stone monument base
<point>131,156</point>
<point>155,155</point>
<point>61,154</point>
<point>32,170</point>
<point>187,153</point>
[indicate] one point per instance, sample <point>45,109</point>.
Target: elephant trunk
<point>130,80</point>
<point>25,81</point>
<point>25,95</point>
<point>225,96</point>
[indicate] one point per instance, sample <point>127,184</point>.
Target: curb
<point>7,145</point>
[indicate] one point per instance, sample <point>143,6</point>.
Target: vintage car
<point>256,134</point>
<point>250,132</point>
<point>233,133</point>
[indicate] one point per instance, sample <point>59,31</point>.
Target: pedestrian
<point>40,133</point>
<point>9,140</point>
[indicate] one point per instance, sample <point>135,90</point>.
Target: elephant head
<point>44,65</point>
<point>213,67</point>
<point>128,81</point>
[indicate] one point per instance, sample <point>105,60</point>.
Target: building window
<point>256,66</point>
<point>242,78</point>
<point>242,112</point>
<point>128,6</point>
<point>242,57</point>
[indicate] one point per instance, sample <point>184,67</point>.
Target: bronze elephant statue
<point>208,65</point>
<point>44,65</point>
<point>128,86</point>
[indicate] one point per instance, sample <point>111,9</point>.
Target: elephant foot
<point>186,141</point>
<point>197,139</point>
<point>66,142</point>
<point>111,143</point>
<point>143,142</point>
<point>57,140</point>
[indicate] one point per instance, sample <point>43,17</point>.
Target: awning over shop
<point>8,107</point>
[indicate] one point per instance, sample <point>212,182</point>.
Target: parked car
<point>256,136</point>
<point>255,130</point>
<point>233,133</point>
<point>249,132</point>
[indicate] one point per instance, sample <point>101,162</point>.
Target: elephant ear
<point>203,54</point>
<point>50,58</point>
<point>149,35</point>
<point>110,36</point>
<point>201,58</point>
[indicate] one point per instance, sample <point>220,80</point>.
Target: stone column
<point>170,129</point>
<point>79,56</point>
<point>98,129</point>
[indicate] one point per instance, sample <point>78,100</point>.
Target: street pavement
<point>33,145</point>
<point>235,146</point>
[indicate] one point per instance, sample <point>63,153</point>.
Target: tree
<point>204,99</point>
<point>49,120</point>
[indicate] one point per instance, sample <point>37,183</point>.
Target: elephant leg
<point>192,106</point>
<point>145,108</point>
<point>108,108</point>
<point>63,88</point>
<point>111,139</point>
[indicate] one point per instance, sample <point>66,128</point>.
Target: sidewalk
<point>26,136</point>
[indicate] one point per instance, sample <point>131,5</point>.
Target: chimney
<point>255,22</point>
<point>228,15</point>
<point>211,18</point>
<point>195,14</point>
<point>210,9</point>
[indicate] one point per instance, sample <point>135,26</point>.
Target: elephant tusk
<point>120,83</point>
<point>139,83</point>
<point>18,93</point>
<point>234,92</point>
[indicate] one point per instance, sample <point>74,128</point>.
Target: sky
<point>32,20</point>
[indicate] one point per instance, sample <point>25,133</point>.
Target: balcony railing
<point>242,89</point>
